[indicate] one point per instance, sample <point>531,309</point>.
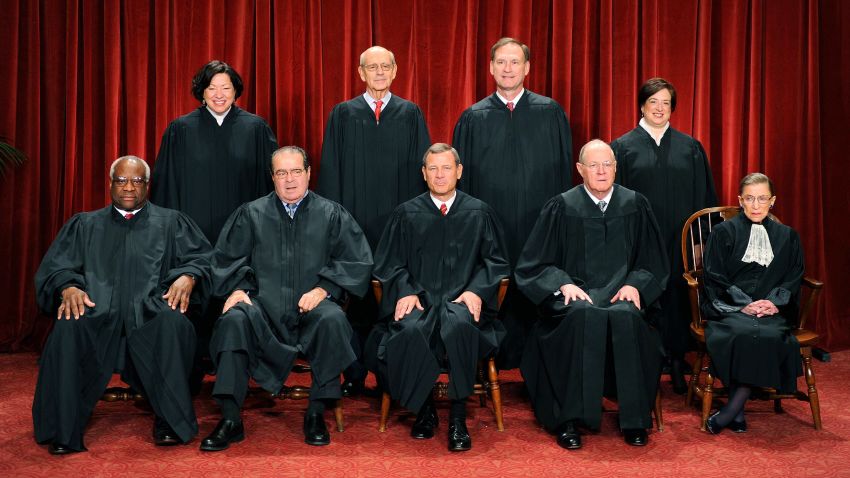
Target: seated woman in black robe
<point>753,268</point>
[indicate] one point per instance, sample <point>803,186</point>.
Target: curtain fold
<point>761,83</point>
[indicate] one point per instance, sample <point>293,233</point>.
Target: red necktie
<point>511,106</point>
<point>443,209</point>
<point>378,111</point>
<point>129,215</point>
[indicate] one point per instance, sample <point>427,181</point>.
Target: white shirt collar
<point>448,203</point>
<point>219,118</point>
<point>596,200</point>
<point>134,212</point>
<point>371,101</point>
<point>643,124</point>
<point>515,100</point>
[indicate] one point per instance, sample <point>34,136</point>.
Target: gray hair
<point>375,48</point>
<point>438,148</point>
<point>290,149</point>
<point>595,144</point>
<point>755,178</point>
<point>130,158</point>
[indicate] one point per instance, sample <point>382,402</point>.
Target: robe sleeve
<point>722,296</point>
<point>704,181</point>
<point>164,189</point>
<point>193,254</point>
<point>493,264</point>
<point>330,174</point>
<point>462,141</point>
<point>350,263</point>
<point>266,146</point>
<point>391,267</point>
<point>420,143</point>
<point>538,274</point>
<point>62,266</point>
<point>650,268</point>
<point>231,264</point>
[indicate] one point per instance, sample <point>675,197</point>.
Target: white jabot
<point>758,249</point>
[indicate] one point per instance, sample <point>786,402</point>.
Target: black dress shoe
<point>459,439</point>
<point>426,422</point>
<point>225,433</point>
<point>315,430</point>
<point>57,449</point>
<point>635,436</point>
<point>163,434</point>
<point>568,437</point>
<point>711,425</point>
<point>737,427</point>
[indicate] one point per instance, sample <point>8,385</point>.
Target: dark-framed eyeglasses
<point>122,181</point>
<point>374,67</point>
<point>283,173</point>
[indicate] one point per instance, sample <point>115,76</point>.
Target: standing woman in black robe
<point>670,168</point>
<point>753,267</point>
<point>211,161</point>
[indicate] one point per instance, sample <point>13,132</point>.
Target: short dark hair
<point>755,178</point>
<point>438,148</point>
<point>653,86</point>
<point>507,40</point>
<point>290,149</point>
<point>204,76</point>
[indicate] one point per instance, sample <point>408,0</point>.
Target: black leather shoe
<point>57,449</point>
<point>459,439</point>
<point>426,422</point>
<point>738,427</point>
<point>225,433</point>
<point>163,434</point>
<point>315,430</point>
<point>635,436</point>
<point>711,425</point>
<point>568,437</point>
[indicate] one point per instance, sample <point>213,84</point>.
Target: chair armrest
<point>812,283</point>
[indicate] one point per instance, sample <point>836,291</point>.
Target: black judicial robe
<point>573,242</point>
<point>437,258</point>
<point>370,168</point>
<point>125,266</point>
<point>676,179</point>
<point>207,170</point>
<point>278,259</point>
<point>515,162</point>
<point>744,348</point>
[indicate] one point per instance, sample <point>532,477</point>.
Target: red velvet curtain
<point>763,84</point>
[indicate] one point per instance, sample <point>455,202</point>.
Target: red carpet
<point>119,440</point>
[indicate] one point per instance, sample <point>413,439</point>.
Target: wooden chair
<point>488,384</point>
<point>694,236</point>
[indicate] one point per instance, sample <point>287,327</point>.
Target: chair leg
<point>482,398</point>
<point>496,393</point>
<point>692,383</point>
<point>338,415</point>
<point>385,412</point>
<point>659,418</point>
<point>706,399</point>
<point>814,403</point>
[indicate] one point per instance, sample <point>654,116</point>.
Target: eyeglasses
<point>752,199</point>
<point>282,173</point>
<point>122,181</point>
<point>595,166</point>
<point>374,67</point>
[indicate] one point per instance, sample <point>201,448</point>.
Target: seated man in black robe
<point>125,274</point>
<point>593,263</point>
<point>284,262</point>
<point>440,261</point>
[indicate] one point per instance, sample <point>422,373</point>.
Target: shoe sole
<point>317,442</point>
<point>236,439</point>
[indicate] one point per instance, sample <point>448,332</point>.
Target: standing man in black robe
<point>516,147</point>
<point>440,261</point>
<point>594,263</point>
<point>370,164</point>
<point>120,280</point>
<point>285,262</point>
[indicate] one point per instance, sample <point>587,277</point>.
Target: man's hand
<point>572,292</point>
<point>761,308</point>
<point>236,297</point>
<point>311,299</point>
<point>74,302</point>
<point>405,305</point>
<point>180,292</point>
<point>627,293</point>
<point>473,303</point>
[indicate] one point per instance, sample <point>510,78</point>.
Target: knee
<point>232,322</point>
<point>329,318</point>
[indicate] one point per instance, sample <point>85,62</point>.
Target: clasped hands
<point>761,308</point>
<point>572,292</point>
<point>406,304</point>
<point>308,301</point>
<point>75,300</point>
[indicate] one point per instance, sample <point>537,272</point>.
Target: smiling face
<point>377,70</point>
<point>220,94</point>
<point>756,201</point>
<point>509,68</point>
<point>293,185</point>
<point>133,193</point>
<point>657,108</point>
<point>441,172</point>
